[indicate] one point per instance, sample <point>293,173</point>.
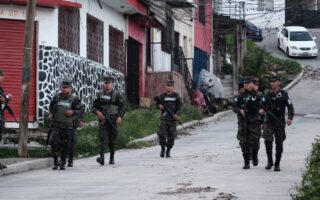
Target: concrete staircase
<point>227,86</point>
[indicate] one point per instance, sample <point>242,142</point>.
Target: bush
<point>227,68</point>
<point>310,186</point>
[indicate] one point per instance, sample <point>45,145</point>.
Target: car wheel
<point>288,53</point>
<point>279,44</point>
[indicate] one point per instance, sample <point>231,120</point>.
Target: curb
<point>295,81</point>
<point>154,137</point>
<point>26,166</point>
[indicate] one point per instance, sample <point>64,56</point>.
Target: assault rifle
<point>5,105</point>
<point>108,119</point>
<point>159,101</point>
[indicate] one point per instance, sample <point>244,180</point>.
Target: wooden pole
<point>26,73</point>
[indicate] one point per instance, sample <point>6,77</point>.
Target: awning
<point>46,3</point>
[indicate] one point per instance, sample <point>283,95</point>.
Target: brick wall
<point>156,84</point>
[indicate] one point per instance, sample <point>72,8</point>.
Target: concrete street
<point>207,164</point>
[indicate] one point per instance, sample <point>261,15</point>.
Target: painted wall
<point>55,63</point>
<point>47,19</point>
<point>185,27</point>
<point>262,19</point>
<point>138,33</point>
<point>203,33</point>
<point>108,16</point>
<point>161,61</point>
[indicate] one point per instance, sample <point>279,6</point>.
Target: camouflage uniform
<point>62,125</point>
<point>76,122</point>
<point>249,127</point>
<point>111,105</point>
<point>276,103</point>
<point>168,126</point>
<point>2,120</point>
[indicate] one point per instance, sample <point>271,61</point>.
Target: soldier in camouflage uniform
<point>248,107</point>
<point>77,122</point>
<point>3,101</point>
<point>276,102</point>
<point>109,107</point>
<point>170,105</point>
<point>62,110</point>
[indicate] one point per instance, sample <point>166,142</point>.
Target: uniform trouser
<point>274,131</point>
<point>107,132</point>
<point>61,140</point>
<point>73,143</point>
<point>249,135</point>
<point>2,122</point>
<point>167,133</point>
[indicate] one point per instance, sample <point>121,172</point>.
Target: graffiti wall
<point>55,64</point>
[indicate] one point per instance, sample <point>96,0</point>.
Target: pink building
<point>203,37</point>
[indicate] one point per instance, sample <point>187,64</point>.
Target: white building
<point>263,13</point>
<point>77,38</point>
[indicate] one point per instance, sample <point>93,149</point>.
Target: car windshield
<point>300,36</point>
<point>250,25</point>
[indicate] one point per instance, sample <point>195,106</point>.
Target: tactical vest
<point>251,102</point>
<point>171,103</point>
<point>108,103</point>
<point>277,102</point>
<point>61,106</point>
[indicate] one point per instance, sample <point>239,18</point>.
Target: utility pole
<point>26,73</point>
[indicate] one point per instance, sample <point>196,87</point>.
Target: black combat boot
<point>168,152</point>
<point>270,160</point>
<point>55,163</point>
<point>255,160</point>
<point>100,159</point>
<point>246,161</point>
<point>70,160</point>
<point>277,163</point>
<point>2,166</point>
<point>62,164</point>
<point>111,160</point>
<point>163,150</point>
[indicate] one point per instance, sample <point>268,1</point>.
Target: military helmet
<point>274,78</point>
<point>66,82</point>
<point>170,82</point>
<point>108,79</point>
<point>247,79</point>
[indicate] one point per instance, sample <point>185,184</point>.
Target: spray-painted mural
<point>55,64</point>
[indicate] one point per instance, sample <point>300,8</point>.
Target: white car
<point>297,41</point>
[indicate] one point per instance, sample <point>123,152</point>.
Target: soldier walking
<point>109,107</point>
<point>77,122</point>
<point>248,107</point>
<point>276,102</point>
<point>63,108</point>
<point>4,99</point>
<point>170,105</point>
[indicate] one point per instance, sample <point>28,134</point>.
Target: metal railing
<point>181,66</point>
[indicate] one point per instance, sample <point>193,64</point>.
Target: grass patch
<point>136,124</point>
<point>310,186</point>
<point>32,153</point>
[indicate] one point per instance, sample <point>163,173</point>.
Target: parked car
<point>253,32</point>
<point>297,41</point>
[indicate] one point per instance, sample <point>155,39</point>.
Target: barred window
<point>202,11</point>
<point>260,5</point>
<point>116,52</point>
<point>69,37</point>
<point>94,39</point>
<point>166,33</point>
